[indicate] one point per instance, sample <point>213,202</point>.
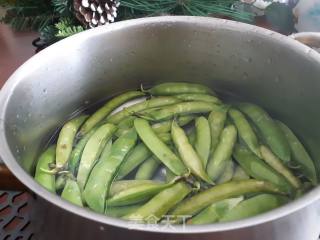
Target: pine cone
<point>94,13</point>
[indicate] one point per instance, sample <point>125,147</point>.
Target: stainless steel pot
<point>238,60</point>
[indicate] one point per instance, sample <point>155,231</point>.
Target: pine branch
<point>48,34</point>
<point>22,22</point>
<point>5,3</point>
<point>67,28</point>
<point>28,14</point>
<point>63,7</point>
<point>184,7</point>
<point>201,8</point>
<point>149,6</point>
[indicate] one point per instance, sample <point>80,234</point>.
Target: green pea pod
<point>269,130</point>
<point>138,155</point>
<point>180,109</point>
<point>76,153</point>
<point>126,123</point>
<point>42,174</point>
<point>217,121</point>
<point>66,139</point>
<point>277,165</point>
<point>102,174</point>
<point>215,211</point>
<point>239,174</point>
<point>106,109</point>
<point>299,154</point>
<point>223,152</point>
<point>118,212</point>
<point>254,206</point>
<point>160,204</point>
<point>245,131</point>
<point>198,97</point>
<point>147,169</point>
<point>174,88</point>
<point>227,174</point>
<point>257,168</point>
<point>203,139</point>
<point>92,151</point>
<point>165,126</point>
<point>169,175</point>
<point>121,131</point>
<point>71,193</point>
<point>106,150</point>
<point>158,147</point>
<point>138,107</point>
<point>187,153</point>
<point>192,136</point>
<point>196,203</point>
<point>119,186</point>
<point>61,180</point>
<point>136,194</point>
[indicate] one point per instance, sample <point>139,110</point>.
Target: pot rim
<point>26,179</point>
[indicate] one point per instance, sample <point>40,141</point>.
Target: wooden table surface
<point>15,49</point>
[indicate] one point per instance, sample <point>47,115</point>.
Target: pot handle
<point>311,39</point>
<point>8,180</point>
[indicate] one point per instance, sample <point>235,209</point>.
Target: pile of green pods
<point>220,162</point>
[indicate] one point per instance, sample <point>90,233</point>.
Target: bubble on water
<point>86,102</point>
<point>111,59</point>
<point>245,75</point>
<point>101,228</point>
<point>29,115</point>
<point>17,116</point>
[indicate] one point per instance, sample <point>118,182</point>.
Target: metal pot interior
<point>237,60</point>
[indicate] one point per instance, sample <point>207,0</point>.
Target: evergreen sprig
<point>29,15</point>
<point>66,28</point>
<point>187,7</point>
<point>55,19</point>
<point>63,7</point>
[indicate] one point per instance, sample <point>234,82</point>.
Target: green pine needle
<point>63,7</point>
<point>186,7</point>
<point>66,28</point>
<point>48,34</point>
<point>57,20</point>
<point>28,14</point>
